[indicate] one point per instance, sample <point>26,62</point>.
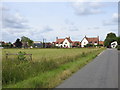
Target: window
<point>95,41</point>
<point>66,43</point>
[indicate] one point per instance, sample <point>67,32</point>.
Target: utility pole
<point>44,43</point>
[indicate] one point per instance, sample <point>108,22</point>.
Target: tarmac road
<point>102,72</point>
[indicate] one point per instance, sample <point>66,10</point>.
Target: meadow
<point>48,68</point>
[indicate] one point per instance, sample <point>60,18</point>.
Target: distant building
<point>63,42</point>
<point>37,44</point>
<point>101,43</point>
<point>48,45</point>
<point>1,44</point>
<point>86,40</point>
<point>76,44</point>
<point>114,44</point>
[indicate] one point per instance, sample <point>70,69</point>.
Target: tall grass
<point>44,60</point>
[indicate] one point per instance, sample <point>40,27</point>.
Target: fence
<point>7,54</point>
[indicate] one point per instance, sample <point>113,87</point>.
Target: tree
<point>118,40</point>
<point>30,42</point>
<point>26,41</point>
<point>18,43</point>
<point>109,39</point>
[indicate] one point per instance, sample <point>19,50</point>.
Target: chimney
<point>98,37</point>
<point>69,37</point>
<point>56,38</point>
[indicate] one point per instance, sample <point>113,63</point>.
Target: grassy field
<point>48,68</point>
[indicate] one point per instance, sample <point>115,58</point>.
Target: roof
<point>76,42</point>
<point>37,42</point>
<point>60,41</point>
<point>101,42</point>
<point>69,40</point>
<point>95,39</point>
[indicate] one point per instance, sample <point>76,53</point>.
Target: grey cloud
<point>13,21</point>
<point>94,28</point>
<point>113,21</point>
<point>46,29</point>
<point>4,8</point>
<point>87,8</point>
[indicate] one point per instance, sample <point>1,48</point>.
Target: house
<point>48,45</point>
<point>37,44</point>
<point>101,43</point>
<point>64,42</point>
<point>2,44</point>
<point>76,44</point>
<point>114,44</point>
<point>86,40</point>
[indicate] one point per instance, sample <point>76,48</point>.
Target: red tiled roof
<point>60,41</point>
<point>93,40</point>
<point>101,42</point>
<point>69,40</point>
<point>76,42</point>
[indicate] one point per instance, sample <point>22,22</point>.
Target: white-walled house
<point>114,44</point>
<point>86,40</point>
<point>65,43</point>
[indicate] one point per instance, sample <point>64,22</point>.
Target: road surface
<point>102,72</point>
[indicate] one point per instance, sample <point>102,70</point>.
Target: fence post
<point>31,57</point>
<point>6,56</point>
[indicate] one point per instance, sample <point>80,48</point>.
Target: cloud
<point>113,21</point>
<point>14,20</point>
<point>4,8</point>
<point>46,29</point>
<point>70,26</point>
<point>87,8</point>
<point>94,28</point>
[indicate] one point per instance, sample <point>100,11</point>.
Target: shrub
<point>118,47</point>
<point>21,55</point>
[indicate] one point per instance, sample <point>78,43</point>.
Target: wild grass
<point>48,68</point>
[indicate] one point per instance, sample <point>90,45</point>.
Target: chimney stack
<point>56,38</point>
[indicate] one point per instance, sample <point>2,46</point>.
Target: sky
<point>38,20</point>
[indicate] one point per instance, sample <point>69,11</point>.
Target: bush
<point>21,55</point>
<point>118,47</point>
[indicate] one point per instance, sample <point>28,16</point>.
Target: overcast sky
<point>38,20</point>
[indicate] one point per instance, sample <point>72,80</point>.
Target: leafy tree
<point>18,43</point>
<point>26,41</point>
<point>118,40</point>
<point>30,42</point>
<point>109,38</point>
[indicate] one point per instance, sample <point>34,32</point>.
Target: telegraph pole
<point>44,43</point>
